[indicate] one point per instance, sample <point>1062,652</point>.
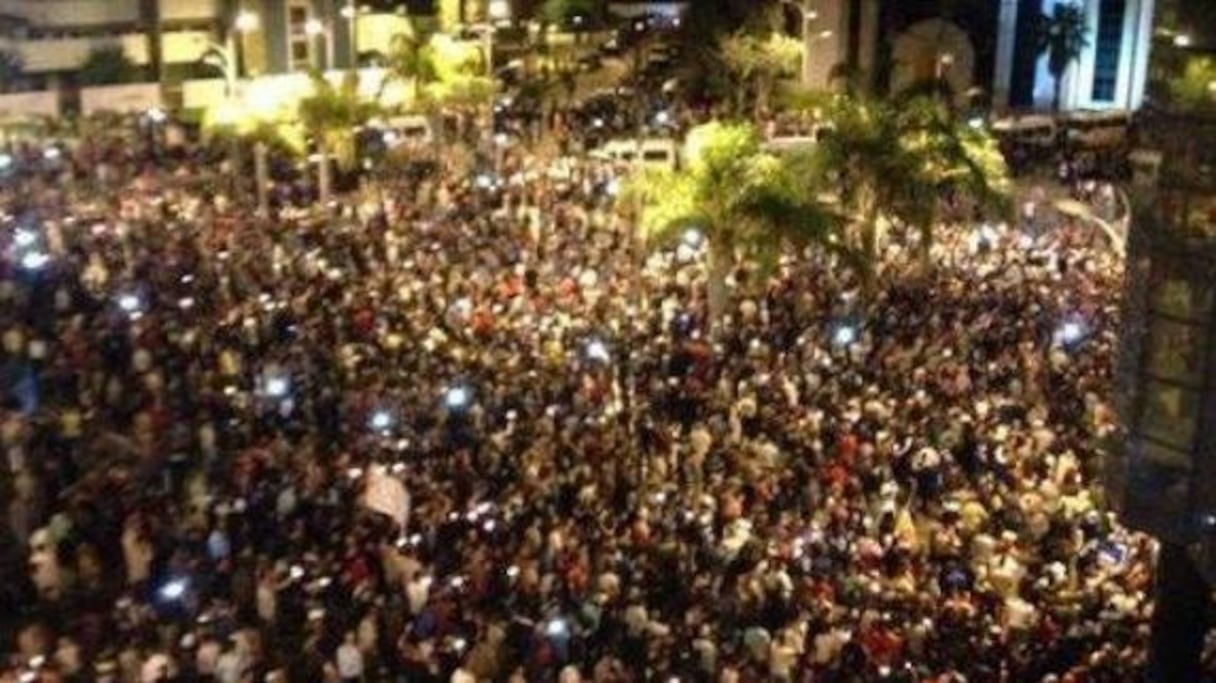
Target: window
<point>1108,47</point>
<point>299,43</point>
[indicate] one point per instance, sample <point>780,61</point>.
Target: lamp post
<point>229,60</point>
<point>246,22</point>
<point>316,28</point>
<point>351,14</point>
<point>807,18</point>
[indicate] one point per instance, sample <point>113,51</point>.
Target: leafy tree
<point>1195,87</point>
<point>12,66</point>
<point>108,65</point>
<point>413,61</point>
<point>743,201</point>
<point>759,61</point>
<point>1062,36</point>
<point>897,162</point>
<point>443,73</point>
<point>331,114</point>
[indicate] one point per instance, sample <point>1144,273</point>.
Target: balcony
<point>55,13</point>
<point>189,10</point>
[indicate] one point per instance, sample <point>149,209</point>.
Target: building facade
<point>52,39</point>
<point>988,44</point>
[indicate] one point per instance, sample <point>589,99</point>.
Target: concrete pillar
<point>825,36</point>
<point>1141,47</point>
<point>1006,41</point>
<point>1179,618</point>
<point>868,40</point>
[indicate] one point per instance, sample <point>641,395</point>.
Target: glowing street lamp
<point>500,10</point>
<point>247,22</point>
<point>316,28</point>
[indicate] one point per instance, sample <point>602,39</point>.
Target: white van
<point>411,130</point>
<point>656,152</point>
<point>793,144</point>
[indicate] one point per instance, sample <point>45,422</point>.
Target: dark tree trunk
<point>149,14</point>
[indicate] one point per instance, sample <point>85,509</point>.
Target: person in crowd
<point>206,412</point>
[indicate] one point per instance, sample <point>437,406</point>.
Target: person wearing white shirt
<point>350,660</point>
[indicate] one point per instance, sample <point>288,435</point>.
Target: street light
<point>809,17</point>
<point>500,10</point>
<point>247,21</point>
<point>351,14</point>
<point>316,28</point>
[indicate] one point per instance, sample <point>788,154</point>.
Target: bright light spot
<point>25,238</point>
<point>129,303</point>
<point>578,19</point>
<point>1070,333</point>
<point>662,118</point>
<point>500,9</point>
<point>692,238</point>
<point>37,661</point>
<point>247,21</point>
<point>456,397</point>
<point>459,644</point>
<point>1182,40</point>
<point>557,628</point>
<point>825,34</point>
<point>639,25</point>
<point>597,350</point>
<point>597,122</point>
<point>185,303</point>
<point>845,335</point>
<point>173,590</point>
<point>51,153</point>
<point>314,27</point>
<point>277,386</point>
<point>354,472</point>
<point>613,188</point>
<point>297,572</point>
<point>6,160</point>
<point>34,260</point>
<point>501,139</point>
<point>512,571</point>
<point>381,420</point>
<point>157,115</point>
<point>484,181</point>
<point>348,12</point>
<point>976,122</point>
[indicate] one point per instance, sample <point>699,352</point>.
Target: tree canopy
<point>743,200</point>
<point>108,65</point>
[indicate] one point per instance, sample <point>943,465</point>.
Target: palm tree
<point>413,61</point>
<point>759,61</point>
<point>331,115</point>
<point>742,200</point>
<point>896,162</point>
<point>949,157</point>
<point>1062,36</point>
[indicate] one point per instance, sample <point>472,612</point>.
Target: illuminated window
<point>299,43</point>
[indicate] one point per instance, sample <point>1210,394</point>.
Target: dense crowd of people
<point>600,486</point>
